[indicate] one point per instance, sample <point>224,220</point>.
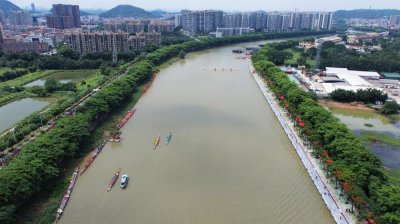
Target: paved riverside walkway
<point>335,206</point>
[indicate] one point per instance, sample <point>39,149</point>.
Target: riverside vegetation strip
<point>38,119</point>
<point>358,172</point>
<point>40,162</point>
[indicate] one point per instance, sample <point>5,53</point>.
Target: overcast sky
<point>228,5</point>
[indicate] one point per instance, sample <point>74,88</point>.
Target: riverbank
<point>330,197</point>
<point>329,103</point>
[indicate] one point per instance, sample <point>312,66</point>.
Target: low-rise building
<point>306,45</point>
<point>391,75</point>
<point>13,46</point>
<point>354,39</point>
<point>342,78</point>
<point>333,39</point>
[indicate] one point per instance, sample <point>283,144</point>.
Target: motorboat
<point>124,181</point>
<point>168,138</point>
<point>156,142</point>
<point>237,51</point>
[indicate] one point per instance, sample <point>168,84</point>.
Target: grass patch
<point>75,75</point>
<point>89,83</point>
<point>377,137</point>
<point>297,55</point>
<point>368,125</point>
<point>394,177</point>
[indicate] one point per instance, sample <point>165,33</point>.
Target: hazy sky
<point>229,5</point>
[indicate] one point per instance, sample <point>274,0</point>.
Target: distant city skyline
<point>227,5</point>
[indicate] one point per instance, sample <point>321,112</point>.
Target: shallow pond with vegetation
<point>64,77</point>
<point>380,133</point>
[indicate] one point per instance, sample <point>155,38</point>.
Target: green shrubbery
<point>366,96</point>
<point>7,75</point>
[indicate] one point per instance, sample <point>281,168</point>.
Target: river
<point>229,160</point>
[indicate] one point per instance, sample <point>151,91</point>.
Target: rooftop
<point>393,75</point>
<point>353,77</point>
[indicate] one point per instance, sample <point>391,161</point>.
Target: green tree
<point>181,54</point>
<point>301,61</point>
<point>390,107</point>
<point>67,52</point>
<point>52,85</point>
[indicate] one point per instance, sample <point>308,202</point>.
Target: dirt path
<point>334,104</point>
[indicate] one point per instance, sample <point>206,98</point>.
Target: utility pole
<point>318,59</point>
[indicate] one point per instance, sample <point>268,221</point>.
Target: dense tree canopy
<point>366,96</point>
<point>385,60</point>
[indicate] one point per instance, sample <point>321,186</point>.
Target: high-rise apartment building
<point>294,21</point>
<point>394,20</point>
<point>20,18</point>
<point>2,17</point>
<point>64,17</point>
<point>139,25</point>
<point>142,39</point>
<point>200,21</point>
<point>97,41</point>
<point>245,19</point>
<point>260,20</point>
<point>205,21</point>
<point>1,37</point>
<point>233,20</point>
<point>323,20</point>
<point>33,8</point>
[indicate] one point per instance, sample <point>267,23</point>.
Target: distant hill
<point>7,6</point>
<point>93,11</point>
<point>84,13</point>
<point>127,11</point>
<point>159,12</point>
<point>364,13</point>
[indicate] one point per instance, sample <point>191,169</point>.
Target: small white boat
<point>168,138</point>
<point>124,181</point>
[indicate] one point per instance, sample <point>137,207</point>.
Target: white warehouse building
<point>342,78</point>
